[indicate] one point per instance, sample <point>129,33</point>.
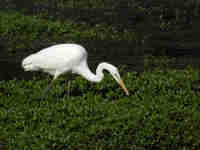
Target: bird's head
<point>117,77</point>
<point>115,74</point>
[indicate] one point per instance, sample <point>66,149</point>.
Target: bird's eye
<point>115,74</point>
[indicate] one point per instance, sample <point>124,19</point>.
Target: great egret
<point>62,58</point>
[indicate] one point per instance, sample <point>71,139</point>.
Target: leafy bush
<point>161,112</point>
<point>28,33</point>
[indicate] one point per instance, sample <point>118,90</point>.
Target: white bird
<point>62,58</point>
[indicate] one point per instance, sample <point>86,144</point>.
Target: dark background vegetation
<point>133,27</point>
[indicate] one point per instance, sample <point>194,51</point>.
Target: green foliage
<point>144,27</point>
<point>161,112</point>
<point>21,32</point>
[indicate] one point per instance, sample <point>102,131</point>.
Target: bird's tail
<point>28,63</point>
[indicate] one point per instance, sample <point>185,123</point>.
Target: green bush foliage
<point>138,27</point>
<point>161,112</point>
<point>31,33</point>
<point>163,109</point>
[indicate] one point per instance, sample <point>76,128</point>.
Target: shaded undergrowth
<point>20,34</point>
<point>162,111</point>
<point>131,27</point>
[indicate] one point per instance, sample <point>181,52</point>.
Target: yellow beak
<point>121,83</point>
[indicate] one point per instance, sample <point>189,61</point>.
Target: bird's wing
<point>56,59</point>
<point>57,62</point>
<point>52,62</point>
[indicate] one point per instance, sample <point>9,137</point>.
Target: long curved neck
<point>86,73</point>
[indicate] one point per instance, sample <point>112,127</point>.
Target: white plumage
<point>62,58</point>
<point>56,59</point>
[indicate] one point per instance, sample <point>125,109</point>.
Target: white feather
<point>62,58</point>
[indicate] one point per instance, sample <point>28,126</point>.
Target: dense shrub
<point>161,112</point>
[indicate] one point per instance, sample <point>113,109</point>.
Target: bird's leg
<point>49,86</point>
<point>46,90</point>
<point>69,88</point>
